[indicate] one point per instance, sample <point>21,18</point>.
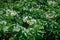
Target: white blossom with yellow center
<point>30,22</point>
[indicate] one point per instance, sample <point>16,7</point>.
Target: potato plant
<point>29,19</point>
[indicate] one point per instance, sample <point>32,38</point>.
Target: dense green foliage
<point>29,19</point>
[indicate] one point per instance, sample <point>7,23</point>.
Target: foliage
<point>29,19</point>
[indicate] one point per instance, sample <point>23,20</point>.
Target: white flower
<point>51,2</point>
<point>49,16</point>
<point>25,18</point>
<point>10,12</point>
<point>3,22</point>
<point>13,13</point>
<point>32,21</point>
<point>17,27</point>
<point>29,20</point>
<point>5,28</point>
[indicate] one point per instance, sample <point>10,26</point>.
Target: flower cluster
<point>3,22</point>
<point>10,12</point>
<point>53,3</point>
<point>29,20</point>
